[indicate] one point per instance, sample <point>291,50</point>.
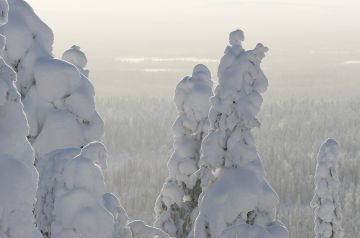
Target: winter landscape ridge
<point>221,159</point>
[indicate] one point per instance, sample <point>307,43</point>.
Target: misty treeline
<point>140,144</point>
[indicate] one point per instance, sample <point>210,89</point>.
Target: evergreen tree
<point>176,206</point>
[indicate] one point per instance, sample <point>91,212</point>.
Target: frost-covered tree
<point>18,176</point>
<point>176,206</point>
<point>73,190</point>
<point>237,200</point>
<point>58,98</point>
<point>73,202</point>
<point>326,201</point>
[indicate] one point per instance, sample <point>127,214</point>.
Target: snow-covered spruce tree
<point>176,206</point>
<point>58,98</point>
<point>326,202</point>
<point>237,200</point>
<point>18,176</point>
<point>73,191</point>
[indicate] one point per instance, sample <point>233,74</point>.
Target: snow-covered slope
<point>236,198</point>
<point>18,176</point>
<point>326,202</point>
<point>58,98</point>
<point>176,206</point>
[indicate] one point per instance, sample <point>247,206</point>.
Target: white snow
<point>18,176</point>
<point>72,198</point>
<point>57,95</point>
<point>78,58</point>
<point>237,200</point>
<point>326,202</point>
<point>176,206</point>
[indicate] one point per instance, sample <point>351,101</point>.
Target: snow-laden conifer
<point>237,200</point>
<point>73,190</point>
<point>18,176</point>
<point>58,98</point>
<point>176,206</point>
<point>326,201</point>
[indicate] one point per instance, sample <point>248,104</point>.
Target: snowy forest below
<point>216,161</point>
<point>288,141</point>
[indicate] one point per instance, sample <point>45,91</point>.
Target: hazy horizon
<point>313,44</point>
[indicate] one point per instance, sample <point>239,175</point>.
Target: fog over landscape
<point>127,112</point>
<point>314,51</point>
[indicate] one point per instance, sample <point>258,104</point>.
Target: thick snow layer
<point>326,202</point>
<point>57,95</point>
<point>4,9</point>
<point>236,199</point>
<point>73,202</point>
<point>112,204</point>
<point>177,203</point>
<point>138,227</point>
<point>78,58</point>
<point>18,176</point>
<point>72,198</point>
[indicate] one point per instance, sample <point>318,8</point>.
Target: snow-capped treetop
<point>58,98</point>
<point>236,37</point>
<point>78,58</point>
<point>192,101</point>
<point>27,39</point>
<point>176,205</point>
<point>326,201</point>
<point>329,153</point>
<point>235,105</point>
<point>237,200</point>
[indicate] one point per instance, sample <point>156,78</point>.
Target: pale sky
<point>111,29</point>
<point>135,26</point>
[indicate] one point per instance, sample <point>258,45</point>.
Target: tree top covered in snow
<point>237,200</point>
<point>326,201</point>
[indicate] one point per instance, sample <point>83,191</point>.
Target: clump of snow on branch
<point>237,200</point>
<point>326,202</point>
<point>57,96</point>
<point>78,58</point>
<point>18,176</point>
<point>176,206</point>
